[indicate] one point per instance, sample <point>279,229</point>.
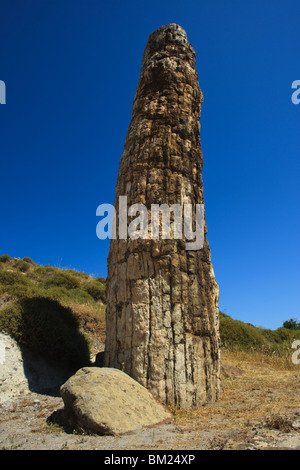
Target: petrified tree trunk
<point>162,300</point>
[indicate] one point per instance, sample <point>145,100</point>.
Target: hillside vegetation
<point>239,336</point>
<point>60,314</point>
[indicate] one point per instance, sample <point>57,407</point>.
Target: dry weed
<point>266,388</point>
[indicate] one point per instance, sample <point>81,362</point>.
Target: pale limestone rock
<point>108,401</point>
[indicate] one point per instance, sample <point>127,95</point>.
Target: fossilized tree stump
<point>162,300</point>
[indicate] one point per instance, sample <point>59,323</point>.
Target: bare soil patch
<point>258,409</point>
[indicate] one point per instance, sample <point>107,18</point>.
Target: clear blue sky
<point>71,68</point>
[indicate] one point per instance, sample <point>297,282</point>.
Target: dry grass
<point>92,323</point>
<point>282,423</point>
<point>92,320</point>
<point>268,388</point>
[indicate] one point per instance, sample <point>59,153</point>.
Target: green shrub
<point>96,290</point>
<point>81,296</point>
<point>29,260</point>
<point>47,328</point>
<point>11,320</point>
<point>8,278</point>
<point>236,335</point>
<point>16,285</point>
<point>61,280</point>
<point>61,293</point>
<point>48,277</point>
<point>19,291</point>
<point>43,270</point>
<point>5,258</point>
<point>291,324</point>
<point>22,265</point>
<point>78,274</point>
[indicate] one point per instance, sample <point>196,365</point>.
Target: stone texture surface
<point>22,372</point>
<point>162,300</point>
<point>230,371</point>
<point>108,401</point>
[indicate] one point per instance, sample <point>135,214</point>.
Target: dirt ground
<point>258,409</point>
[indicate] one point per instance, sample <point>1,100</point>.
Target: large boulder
<point>108,401</point>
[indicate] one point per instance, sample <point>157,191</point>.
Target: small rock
<point>296,424</point>
<point>231,371</point>
<point>99,359</point>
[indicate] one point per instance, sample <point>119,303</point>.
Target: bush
<point>291,324</point>
<point>22,265</point>
<point>5,258</point>
<point>236,335</point>
<point>96,290</point>
<point>61,293</point>
<point>61,280</point>
<point>49,277</point>
<point>11,320</point>
<point>47,328</point>
<point>8,278</point>
<point>45,270</point>
<point>19,291</point>
<point>78,274</point>
<point>29,260</point>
